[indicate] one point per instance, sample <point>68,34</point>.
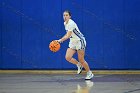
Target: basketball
<point>54,46</point>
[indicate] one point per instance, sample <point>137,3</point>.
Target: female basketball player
<point>77,44</point>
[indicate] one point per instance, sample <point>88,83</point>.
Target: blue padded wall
<point>111,29</point>
<point>10,35</point>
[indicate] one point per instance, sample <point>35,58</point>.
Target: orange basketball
<point>54,46</point>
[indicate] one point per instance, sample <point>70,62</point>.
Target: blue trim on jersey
<point>82,44</point>
<point>81,37</point>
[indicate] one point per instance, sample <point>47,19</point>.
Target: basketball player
<point>77,44</point>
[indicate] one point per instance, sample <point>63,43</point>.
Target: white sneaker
<point>89,76</point>
<point>79,66</point>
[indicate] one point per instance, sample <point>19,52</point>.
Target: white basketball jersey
<point>72,26</point>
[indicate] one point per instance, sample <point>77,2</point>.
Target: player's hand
<point>59,41</point>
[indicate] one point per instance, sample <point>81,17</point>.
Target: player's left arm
<point>65,37</point>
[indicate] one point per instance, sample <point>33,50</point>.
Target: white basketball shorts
<point>77,44</point>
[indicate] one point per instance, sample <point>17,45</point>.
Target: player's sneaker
<point>89,76</point>
<point>79,66</point>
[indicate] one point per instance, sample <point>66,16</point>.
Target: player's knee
<point>81,60</point>
<point>68,58</point>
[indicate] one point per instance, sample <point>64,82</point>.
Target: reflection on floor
<point>61,83</point>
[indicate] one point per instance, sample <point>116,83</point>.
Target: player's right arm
<point>65,37</point>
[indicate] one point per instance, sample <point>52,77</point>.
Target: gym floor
<point>68,83</point>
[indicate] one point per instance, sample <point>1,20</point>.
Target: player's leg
<point>81,54</point>
<point>69,56</point>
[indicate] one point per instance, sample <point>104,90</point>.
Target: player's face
<point>66,16</point>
